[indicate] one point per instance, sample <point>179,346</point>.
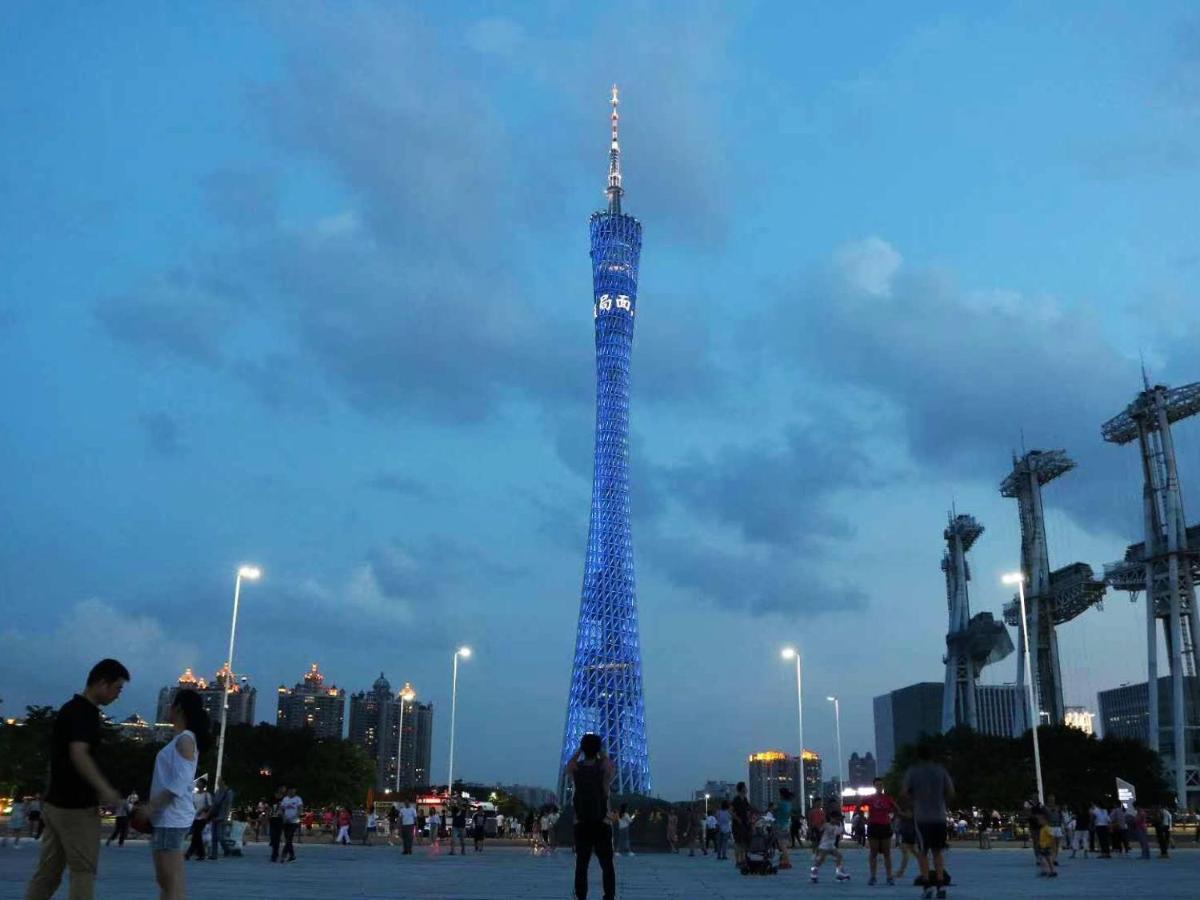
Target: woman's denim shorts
<point>168,838</point>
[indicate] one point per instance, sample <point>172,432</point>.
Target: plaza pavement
<point>325,872</point>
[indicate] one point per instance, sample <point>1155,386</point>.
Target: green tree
<point>1077,769</point>
<point>25,752</point>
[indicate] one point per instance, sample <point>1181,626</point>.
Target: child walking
<point>1046,842</point>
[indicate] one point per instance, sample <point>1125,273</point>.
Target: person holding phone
<point>592,772</point>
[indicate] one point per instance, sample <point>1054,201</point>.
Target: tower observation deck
<point>606,679</point>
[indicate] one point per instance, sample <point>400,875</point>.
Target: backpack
<point>591,798</point>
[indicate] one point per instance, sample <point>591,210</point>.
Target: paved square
<point>499,873</point>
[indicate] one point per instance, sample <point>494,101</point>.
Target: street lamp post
<point>706,796</point>
<point>406,696</point>
<point>793,653</point>
<point>464,652</point>
<point>249,573</point>
<point>1035,716</point>
<point>837,722</point>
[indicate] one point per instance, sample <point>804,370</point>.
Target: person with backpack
<point>479,829</point>
<point>592,772</point>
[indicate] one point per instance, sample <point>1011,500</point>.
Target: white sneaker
<point>842,876</point>
<point>812,873</point>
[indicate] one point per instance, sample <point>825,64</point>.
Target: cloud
<point>969,371</point>
<point>176,316</point>
<point>758,581</point>
<point>418,573</point>
<point>495,37</point>
<point>86,633</point>
<point>395,483</point>
<point>162,433</point>
<point>774,494</point>
<point>241,198</point>
<point>282,381</point>
<point>868,266</point>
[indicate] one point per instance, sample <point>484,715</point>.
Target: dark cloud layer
<point>973,373</point>
<point>163,433</point>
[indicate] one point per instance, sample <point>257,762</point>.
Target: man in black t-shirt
<point>77,789</point>
<point>592,772</point>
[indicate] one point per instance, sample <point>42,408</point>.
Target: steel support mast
<point>1053,597</point>
<point>1166,568</point>
<point>972,642</point>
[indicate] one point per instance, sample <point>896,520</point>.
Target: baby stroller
<point>760,857</point>
<point>236,836</point>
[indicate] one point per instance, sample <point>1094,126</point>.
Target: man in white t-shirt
<point>408,822</point>
<point>291,806</point>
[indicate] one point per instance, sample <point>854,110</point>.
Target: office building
<point>1125,713</point>
<point>1001,709</point>
<point>902,716</point>
<point>314,705</point>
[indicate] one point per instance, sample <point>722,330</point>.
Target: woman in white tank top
<point>170,808</point>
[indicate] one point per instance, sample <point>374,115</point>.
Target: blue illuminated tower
<point>606,682</point>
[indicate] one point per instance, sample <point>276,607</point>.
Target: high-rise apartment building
<point>862,770</point>
<point>242,697</point>
<point>376,720</point>
<point>774,769</point>
<point>1080,717</point>
<point>311,704</point>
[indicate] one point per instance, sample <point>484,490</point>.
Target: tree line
<point>1078,769</point>
<point>258,758</point>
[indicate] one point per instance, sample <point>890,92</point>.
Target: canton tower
<point>606,681</point>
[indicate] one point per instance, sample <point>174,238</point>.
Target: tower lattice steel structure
<point>606,681</point>
<point>1166,565</point>
<point>972,642</point>
<point>1053,598</point>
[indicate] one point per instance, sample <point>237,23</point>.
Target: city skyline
<point>238,328</point>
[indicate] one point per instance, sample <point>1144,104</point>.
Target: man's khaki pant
<point>71,840</point>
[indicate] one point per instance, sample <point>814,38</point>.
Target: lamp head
<point>464,652</point>
<point>1013,578</point>
<point>788,653</point>
<point>250,573</point>
<point>831,699</point>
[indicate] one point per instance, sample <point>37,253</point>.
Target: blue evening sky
<point>307,285</point>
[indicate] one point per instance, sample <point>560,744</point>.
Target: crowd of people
<point>187,821</point>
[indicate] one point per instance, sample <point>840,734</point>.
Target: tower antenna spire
<point>614,190</point>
